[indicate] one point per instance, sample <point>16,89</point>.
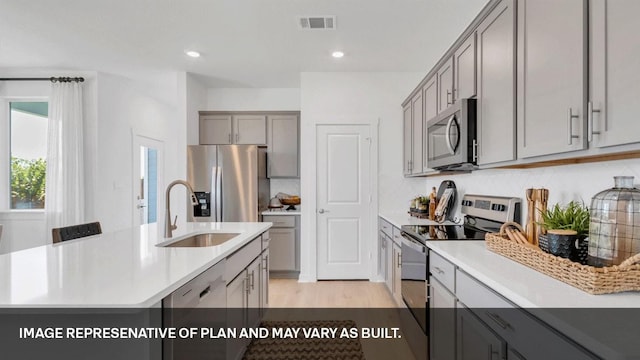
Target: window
<point>28,124</point>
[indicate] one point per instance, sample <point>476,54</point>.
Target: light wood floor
<point>289,293</point>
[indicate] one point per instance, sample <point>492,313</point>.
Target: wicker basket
<point>605,280</point>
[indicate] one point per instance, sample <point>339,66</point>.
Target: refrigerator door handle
<point>219,204</point>
<point>214,188</point>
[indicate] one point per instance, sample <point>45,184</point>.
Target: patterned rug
<point>306,349</point>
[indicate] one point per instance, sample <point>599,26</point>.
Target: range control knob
<point>498,207</point>
<point>467,202</point>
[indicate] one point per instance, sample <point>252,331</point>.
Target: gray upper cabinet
<point>496,85</point>
<point>407,139</point>
<point>283,146</point>
<point>413,123</point>
<point>430,105</point>
<point>215,130</point>
<point>250,129</point>
<point>225,129</point>
<point>417,122</point>
<point>551,77</point>
<point>614,77</point>
<point>445,85</point>
<point>464,70</point>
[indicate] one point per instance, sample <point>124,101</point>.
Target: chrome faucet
<point>168,227</point>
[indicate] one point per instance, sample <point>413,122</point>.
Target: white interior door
<point>147,177</point>
<point>343,201</point>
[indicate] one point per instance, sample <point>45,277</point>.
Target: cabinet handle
<point>590,111</point>
<point>253,280</point>
<point>570,135</point>
<point>229,138</point>
<point>399,260</point>
<point>475,150</point>
<point>440,271</point>
<point>247,284</point>
<point>498,320</point>
<point>495,354</point>
<point>449,102</point>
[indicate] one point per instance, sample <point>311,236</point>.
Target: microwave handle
<point>447,133</point>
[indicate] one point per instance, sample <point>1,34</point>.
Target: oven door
<point>414,278</point>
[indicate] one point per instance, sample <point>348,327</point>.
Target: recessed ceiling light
<point>193,54</point>
<point>337,54</point>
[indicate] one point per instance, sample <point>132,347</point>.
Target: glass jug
<point>614,229</point>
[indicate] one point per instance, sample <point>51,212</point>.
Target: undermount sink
<point>202,240</point>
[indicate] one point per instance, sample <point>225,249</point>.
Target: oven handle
<point>414,244</point>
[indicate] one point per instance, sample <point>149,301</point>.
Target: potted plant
<point>566,231</point>
<point>423,204</point>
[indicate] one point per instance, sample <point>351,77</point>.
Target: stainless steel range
<point>482,214</point>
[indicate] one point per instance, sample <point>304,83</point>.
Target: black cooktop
<point>443,232</point>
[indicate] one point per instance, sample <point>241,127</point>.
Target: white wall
<point>195,100</point>
<point>126,108</point>
<point>565,183</point>
<point>253,99</point>
<point>360,97</point>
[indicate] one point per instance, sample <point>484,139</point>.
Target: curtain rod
<point>52,79</point>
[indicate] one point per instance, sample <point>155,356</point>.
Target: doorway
<point>147,178</point>
<point>343,201</point>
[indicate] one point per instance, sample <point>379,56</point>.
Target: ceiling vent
<point>317,22</point>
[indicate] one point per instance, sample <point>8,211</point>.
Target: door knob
<point>322,211</point>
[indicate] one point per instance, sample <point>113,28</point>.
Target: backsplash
<point>287,186</point>
<point>565,183</point>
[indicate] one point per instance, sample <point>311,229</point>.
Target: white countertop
<point>398,219</point>
<point>120,269</point>
<point>282,211</point>
<point>531,289</point>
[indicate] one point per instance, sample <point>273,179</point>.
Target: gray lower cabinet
<point>382,256</point>
<point>284,246</point>
<point>389,277</point>
<point>237,313</point>
<point>283,146</point>
<point>552,86</point>
<point>442,322</point>
<point>496,112</point>
<point>264,282</point>
<point>390,258</point>
<point>246,290</point>
<point>504,324</point>
<point>397,273</point>
<point>468,320</point>
<point>475,340</point>
<point>614,79</point>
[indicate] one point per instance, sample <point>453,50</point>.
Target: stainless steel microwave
<point>451,137</point>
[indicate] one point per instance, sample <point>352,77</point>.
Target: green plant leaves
<point>28,181</point>
<point>574,216</point>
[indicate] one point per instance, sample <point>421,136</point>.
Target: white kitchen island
<point>585,319</point>
<point>123,269</point>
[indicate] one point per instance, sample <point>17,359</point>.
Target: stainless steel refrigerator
<point>230,182</point>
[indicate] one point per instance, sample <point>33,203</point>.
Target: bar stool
<point>75,231</point>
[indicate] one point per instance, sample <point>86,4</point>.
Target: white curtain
<point>64,197</point>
